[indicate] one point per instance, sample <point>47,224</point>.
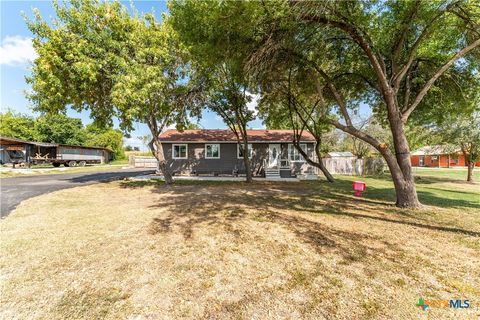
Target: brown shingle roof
<point>218,135</point>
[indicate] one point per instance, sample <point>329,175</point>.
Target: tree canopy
<point>17,125</point>
<point>406,60</point>
<point>59,128</point>
<point>217,57</point>
<point>411,63</point>
<point>97,56</point>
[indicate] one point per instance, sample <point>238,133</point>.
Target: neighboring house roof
<point>219,135</point>
<point>10,141</point>
<point>436,150</point>
<point>340,154</point>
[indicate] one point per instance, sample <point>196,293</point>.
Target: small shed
<point>343,154</point>
<point>341,163</point>
<point>17,151</point>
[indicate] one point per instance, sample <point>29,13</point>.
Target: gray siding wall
<point>228,162</point>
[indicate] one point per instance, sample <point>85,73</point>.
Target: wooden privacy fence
<point>342,165</point>
<point>142,162</point>
<point>353,166</point>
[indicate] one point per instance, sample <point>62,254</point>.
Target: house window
<point>179,151</point>
<point>212,151</point>
<point>294,154</point>
<point>240,153</point>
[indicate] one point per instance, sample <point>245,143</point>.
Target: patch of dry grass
<point>230,250</point>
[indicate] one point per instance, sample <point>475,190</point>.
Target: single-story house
<point>216,151</point>
<point>439,156</point>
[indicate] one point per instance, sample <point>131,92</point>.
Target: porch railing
<point>284,164</point>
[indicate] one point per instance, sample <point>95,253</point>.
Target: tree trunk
<point>403,178</point>
<point>399,165</point>
<point>246,160</point>
<point>318,164</point>
<point>157,151</point>
<point>470,166</point>
<point>325,172</point>
<point>321,166</point>
<point>406,194</point>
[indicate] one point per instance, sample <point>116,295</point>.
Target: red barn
<point>439,156</point>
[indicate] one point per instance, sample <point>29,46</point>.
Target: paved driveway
<point>15,190</point>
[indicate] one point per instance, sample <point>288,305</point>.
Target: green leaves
<point>463,132</point>
<point>106,138</point>
<point>215,35</point>
<point>97,56</point>
<point>17,125</point>
<point>60,129</point>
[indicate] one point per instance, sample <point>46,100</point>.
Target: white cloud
<point>16,51</point>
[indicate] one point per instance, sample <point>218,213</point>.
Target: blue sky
<point>16,54</point>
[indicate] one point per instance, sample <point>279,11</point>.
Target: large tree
<point>97,56</point>
<point>464,133</point>
<point>228,97</point>
<point>403,58</point>
<point>218,58</point>
<point>106,138</point>
<point>58,128</point>
<point>288,102</point>
<point>17,125</point>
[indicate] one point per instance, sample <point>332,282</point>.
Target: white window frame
<point>212,144</point>
<point>303,146</point>
<point>180,145</point>
<point>250,147</point>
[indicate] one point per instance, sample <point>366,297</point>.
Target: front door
<point>273,155</point>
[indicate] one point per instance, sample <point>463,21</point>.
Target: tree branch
<point>337,96</point>
<point>360,40</point>
<point>397,49</point>
<point>437,74</point>
<point>401,74</point>
<point>406,98</point>
<point>370,83</point>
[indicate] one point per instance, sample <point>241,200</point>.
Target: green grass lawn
<point>442,188</point>
<point>451,173</point>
